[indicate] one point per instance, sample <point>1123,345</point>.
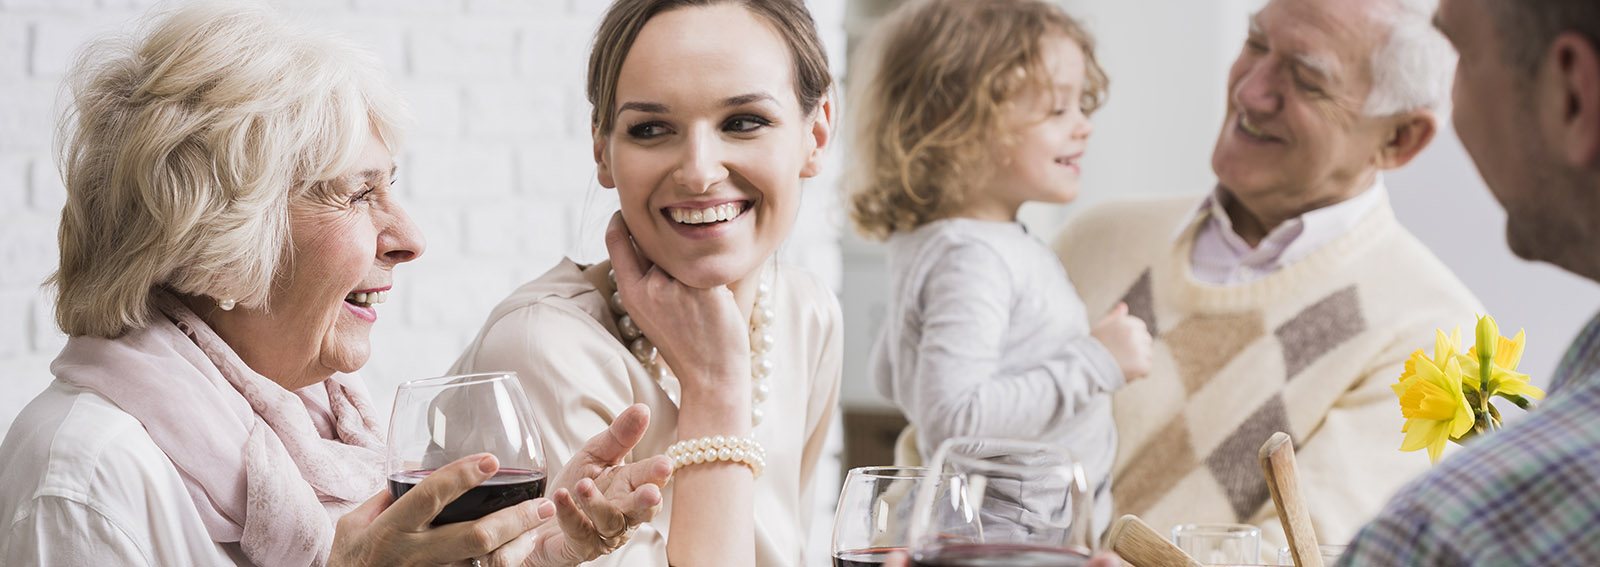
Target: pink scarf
<point>267,468</point>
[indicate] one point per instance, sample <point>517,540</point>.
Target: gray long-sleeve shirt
<point>985,336</point>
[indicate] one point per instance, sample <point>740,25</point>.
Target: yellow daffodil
<point>1504,355</point>
<point>1444,348</point>
<point>1432,402</point>
<point>1447,397</point>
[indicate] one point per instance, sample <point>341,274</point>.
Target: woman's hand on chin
<point>384,531</point>
<point>700,332</point>
<point>612,498</point>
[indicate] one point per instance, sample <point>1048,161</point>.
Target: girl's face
<point>1049,133</point>
<point>709,143</point>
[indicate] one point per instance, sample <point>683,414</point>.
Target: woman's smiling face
<point>346,237</point>
<point>710,143</point>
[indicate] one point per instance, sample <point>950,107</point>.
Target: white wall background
<point>1168,62</point>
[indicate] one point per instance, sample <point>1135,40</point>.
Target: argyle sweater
<point>1309,350</point>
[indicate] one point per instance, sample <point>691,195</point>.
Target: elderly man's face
<point>1294,133</point>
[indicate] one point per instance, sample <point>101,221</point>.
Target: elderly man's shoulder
<point>1413,274</point>
<point>1111,241</point>
<point>1128,224</point>
<point>1135,214</point>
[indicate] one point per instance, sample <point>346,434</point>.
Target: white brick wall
<point>498,172</point>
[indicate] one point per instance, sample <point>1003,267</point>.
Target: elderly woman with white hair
<point>229,227</point>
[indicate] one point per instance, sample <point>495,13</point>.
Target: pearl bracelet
<point>739,450</point>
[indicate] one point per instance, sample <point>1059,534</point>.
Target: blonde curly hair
<point>935,79</point>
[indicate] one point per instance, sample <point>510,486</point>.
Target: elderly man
<point>1289,297</point>
<point>1528,111</point>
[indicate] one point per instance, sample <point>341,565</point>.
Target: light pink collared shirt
<point>1222,257</point>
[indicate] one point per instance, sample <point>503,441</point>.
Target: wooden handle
<point>1277,465</point>
<point>1141,546</point>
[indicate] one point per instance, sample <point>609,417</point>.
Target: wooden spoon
<point>1141,546</point>
<point>1277,465</point>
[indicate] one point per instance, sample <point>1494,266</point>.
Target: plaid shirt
<point>1527,495</point>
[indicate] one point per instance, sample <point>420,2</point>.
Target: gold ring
<point>615,540</point>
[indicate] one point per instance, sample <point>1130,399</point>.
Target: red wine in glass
<point>997,555</point>
<point>506,488</point>
<point>873,557</point>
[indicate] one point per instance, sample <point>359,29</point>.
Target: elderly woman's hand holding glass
<point>230,227</point>
<point>366,536</point>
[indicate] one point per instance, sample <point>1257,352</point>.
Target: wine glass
<point>1330,554</point>
<point>439,420</point>
<point>1009,503</point>
<point>1219,544</point>
<point>874,513</point>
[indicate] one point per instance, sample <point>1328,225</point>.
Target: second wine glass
<point>439,420</point>
<point>874,513</point>
<point>1010,503</point>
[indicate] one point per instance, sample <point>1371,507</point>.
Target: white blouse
<point>105,495</point>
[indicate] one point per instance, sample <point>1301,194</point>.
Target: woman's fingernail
<point>487,464</point>
<point>546,509</point>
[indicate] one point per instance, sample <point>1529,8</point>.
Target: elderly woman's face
<point>347,235</point>
<point>710,143</point>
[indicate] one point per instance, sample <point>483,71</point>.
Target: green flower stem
<point>1486,413</point>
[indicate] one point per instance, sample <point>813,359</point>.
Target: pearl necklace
<point>761,343</point>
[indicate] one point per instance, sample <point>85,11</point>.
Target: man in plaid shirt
<point>1527,97</point>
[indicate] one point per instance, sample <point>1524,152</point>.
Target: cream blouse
<point>560,337</point>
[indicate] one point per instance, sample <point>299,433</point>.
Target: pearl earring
<point>226,304</point>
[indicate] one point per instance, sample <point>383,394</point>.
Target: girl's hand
<point>612,498</point>
<point>1128,340</point>
<point>700,332</point>
<point>385,531</point>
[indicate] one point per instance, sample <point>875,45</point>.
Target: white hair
<point>1414,66</point>
<point>183,147</point>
